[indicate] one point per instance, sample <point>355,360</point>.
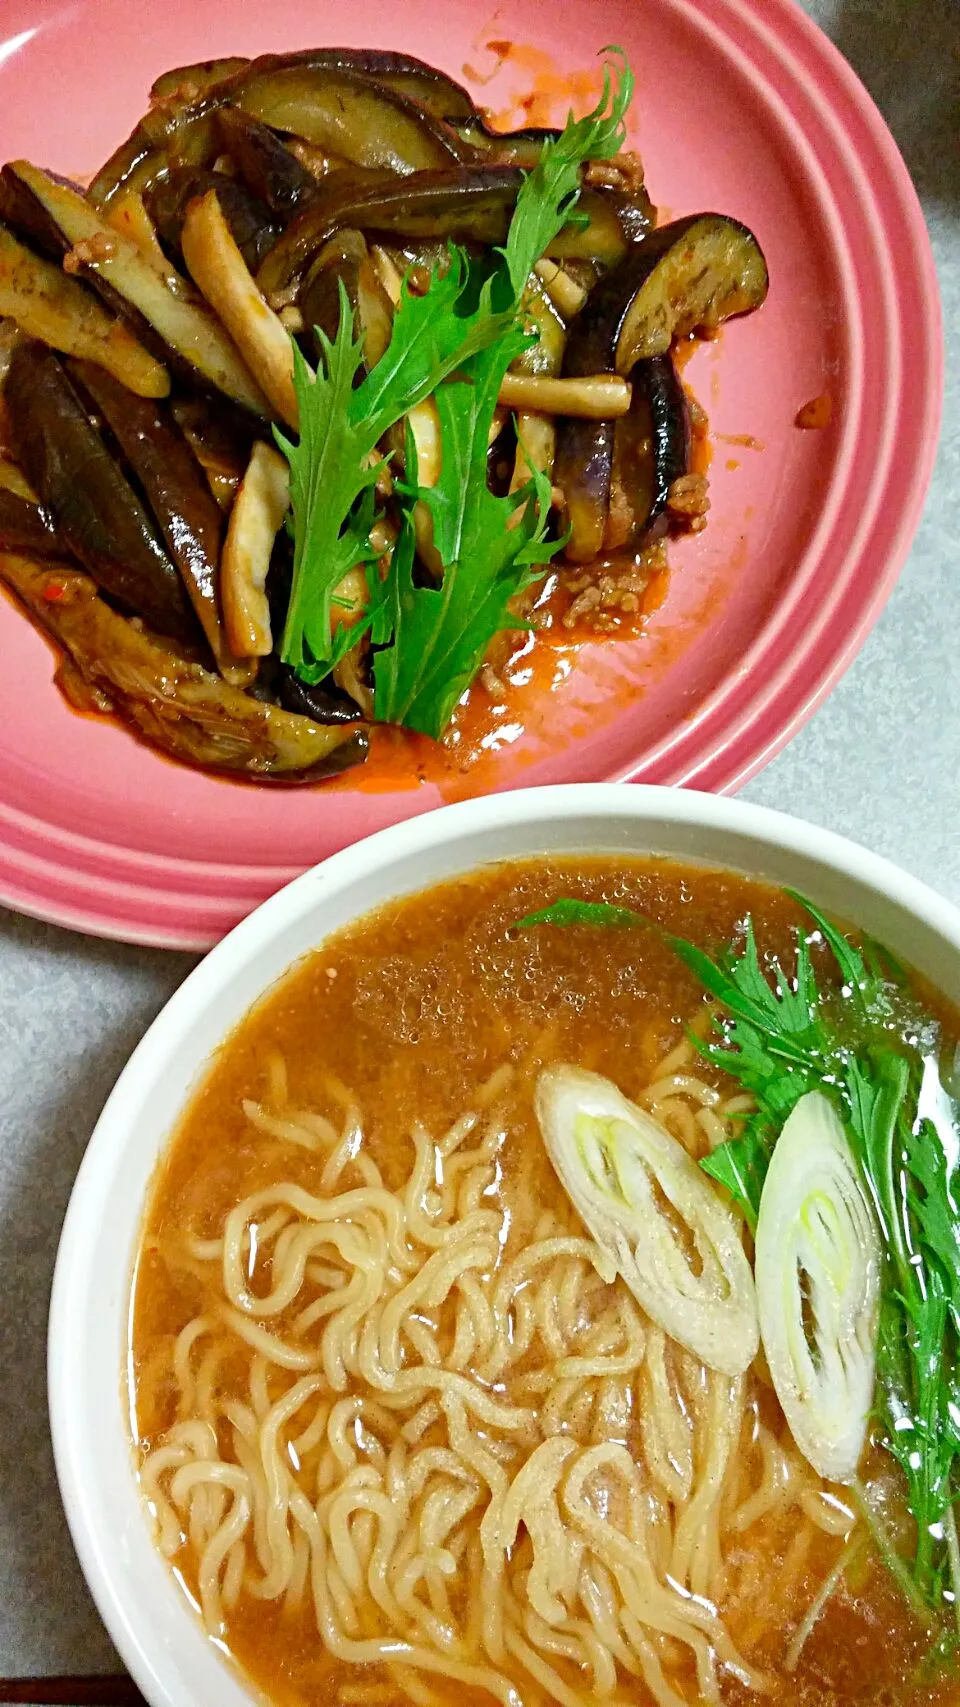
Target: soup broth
<point>401,1441</point>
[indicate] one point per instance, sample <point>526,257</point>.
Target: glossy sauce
<point>412,1009</point>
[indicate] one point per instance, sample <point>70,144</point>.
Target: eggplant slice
<point>176,704</point>
<point>179,496</point>
<point>687,277</point>
<point>85,492</point>
<point>651,450</point>
<point>23,527</point>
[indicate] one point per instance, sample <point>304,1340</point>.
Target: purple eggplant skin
<point>651,450</point>
<point>685,277</point>
<point>23,527</point>
<point>266,166</point>
<point>175,486</point>
<point>172,701</point>
<point>317,703</point>
<point>251,226</point>
<point>20,209</point>
<point>583,466</point>
<point>431,89</point>
<point>458,203</point>
<point>87,496</point>
<point>656,379</point>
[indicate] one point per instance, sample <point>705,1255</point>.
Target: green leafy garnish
<point>548,195</point>
<point>780,1037</point>
<point>334,466</point>
<point>568,911</point>
<point>465,330</point>
<point>491,548</point>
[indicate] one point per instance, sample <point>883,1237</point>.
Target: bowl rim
<point>128,1620</point>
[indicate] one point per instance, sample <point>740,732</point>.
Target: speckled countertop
<point>880,762</point>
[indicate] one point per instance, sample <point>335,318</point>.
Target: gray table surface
<point>880,762</point>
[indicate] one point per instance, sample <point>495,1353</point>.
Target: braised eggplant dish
<point>321,381</point>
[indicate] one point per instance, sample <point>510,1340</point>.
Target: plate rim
<point>157,901</point>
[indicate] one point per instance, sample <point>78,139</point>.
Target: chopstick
<point>112,1691</point>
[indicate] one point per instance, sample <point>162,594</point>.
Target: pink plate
<point>743,107</point>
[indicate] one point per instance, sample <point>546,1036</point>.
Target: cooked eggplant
<point>687,277</point>
<point>12,480</point>
<point>346,260</point>
<point>657,380</point>
<point>651,450</point>
<point>175,703</point>
<point>179,497</point>
<point>583,466</point>
<point>431,89</point>
<point>318,703</point>
<point>185,324</point>
<point>505,148</point>
<point>87,496</point>
<point>463,204</point>
<point>23,527</point>
<point>270,171</point>
<point>135,165</point>
<point>220,441</point>
<point>183,84</point>
<point>46,303</point>
<point>457,203</point>
<point>249,219</point>
<point>345,113</point>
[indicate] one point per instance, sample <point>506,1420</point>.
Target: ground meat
<point>492,684</point>
<point>688,500</point>
<point>606,592</point>
<point>625,172</point>
<point>89,251</point>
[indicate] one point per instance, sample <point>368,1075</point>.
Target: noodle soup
<point>403,1433</point>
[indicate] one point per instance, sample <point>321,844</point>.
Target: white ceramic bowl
<point>145,1612</point>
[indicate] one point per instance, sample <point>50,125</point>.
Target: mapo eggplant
<point>180,707</point>
<point>254,199</point>
<point>86,494</point>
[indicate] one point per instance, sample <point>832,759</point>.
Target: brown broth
<point>413,1008</point>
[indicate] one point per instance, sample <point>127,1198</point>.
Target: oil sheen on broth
<point>478,1449</point>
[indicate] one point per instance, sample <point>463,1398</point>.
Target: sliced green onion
<point>655,1216</point>
<point>818,1266</point>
